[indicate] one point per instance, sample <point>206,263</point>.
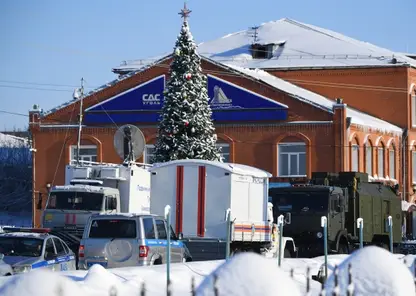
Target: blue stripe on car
<point>54,261</point>
<point>163,243</point>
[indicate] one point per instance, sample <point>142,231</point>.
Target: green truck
<point>342,198</point>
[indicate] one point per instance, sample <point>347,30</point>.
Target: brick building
<point>286,119</point>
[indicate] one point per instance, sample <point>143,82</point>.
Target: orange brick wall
<point>254,145</point>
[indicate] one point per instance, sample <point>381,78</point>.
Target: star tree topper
<point>185,12</point>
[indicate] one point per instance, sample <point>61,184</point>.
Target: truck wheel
<point>286,254</point>
<point>343,249</point>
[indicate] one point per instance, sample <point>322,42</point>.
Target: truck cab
<point>303,206</point>
<point>69,207</point>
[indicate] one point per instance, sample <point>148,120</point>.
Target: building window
<point>414,166</point>
<point>380,162</point>
<point>392,163</point>
<point>149,153</point>
<point>355,157</point>
<point>413,110</point>
<point>292,160</point>
<point>86,153</point>
<point>369,159</point>
<point>225,151</point>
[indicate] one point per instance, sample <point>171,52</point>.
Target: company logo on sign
<point>151,99</point>
<point>220,99</point>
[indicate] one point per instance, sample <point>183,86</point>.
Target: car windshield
<point>115,228</point>
<point>301,202</point>
<point>73,200</point>
<point>21,246</point>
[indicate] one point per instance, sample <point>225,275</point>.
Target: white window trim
<point>145,152</point>
<point>413,107</point>
<point>291,153</point>
<point>72,151</point>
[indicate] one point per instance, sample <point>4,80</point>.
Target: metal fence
<point>336,290</point>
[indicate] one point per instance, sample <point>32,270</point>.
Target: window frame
<point>355,145</point>
<point>72,152</point>
<point>413,166</point>
<point>289,154</point>
<point>224,144</point>
<point>146,155</point>
<point>381,161</point>
<point>369,148</point>
<point>392,168</point>
<point>413,106</point>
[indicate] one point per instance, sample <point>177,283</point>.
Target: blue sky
<point>52,44</point>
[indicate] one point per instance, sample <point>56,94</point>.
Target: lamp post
<point>360,226</point>
<point>167,217</point>
<point>324,224</point>
<point>280,222</point>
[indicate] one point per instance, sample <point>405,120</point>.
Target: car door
<point>72,263</point>
<point>50,254</point>
<point>62,258</point>
<point>162,237</point>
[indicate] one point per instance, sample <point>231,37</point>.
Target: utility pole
<point>79,94</point>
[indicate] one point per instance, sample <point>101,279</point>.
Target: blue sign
<point>229,102</point>
<point>144,97</point>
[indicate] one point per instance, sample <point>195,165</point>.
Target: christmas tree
<point>186,130</point>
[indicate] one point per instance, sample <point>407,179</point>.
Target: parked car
<point>25,249</point>
<point>5,269</point>
<point>120,240</point>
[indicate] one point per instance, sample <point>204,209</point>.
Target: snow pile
<point>249,274</point>
<point>40,283</point>
<point>375,271</point>
<point>12,141</point>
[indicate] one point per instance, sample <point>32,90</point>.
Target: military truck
<point>342,198</point>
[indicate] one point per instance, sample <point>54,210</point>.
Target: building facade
<point>261,120</point>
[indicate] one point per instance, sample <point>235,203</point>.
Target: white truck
<point>95,188</point>
<point>200,192</point>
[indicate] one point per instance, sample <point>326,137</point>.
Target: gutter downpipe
<point>404,151</point>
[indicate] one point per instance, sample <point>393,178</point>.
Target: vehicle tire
<point>286,254</point>
<point>8,274</point>
<point>343,249</point>
<point>384,246</point>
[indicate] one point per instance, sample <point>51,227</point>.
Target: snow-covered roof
<point>12,141</point>
<point>357,117</point>
<point>239,169</point>
<point>301,46</point>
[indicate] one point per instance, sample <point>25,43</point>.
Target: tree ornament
<point>192,130</point>
<point>186,123</point>
<point>188,76</point>
<point>178,51</point>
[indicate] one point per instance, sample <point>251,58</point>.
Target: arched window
<point>148,154</point>
<point>292,159</point>
<point>413,165</point>
<point>225,150</point>
<point>86,153</point>
<point>380,160</point>
<point>369,158</point>
<point>355,156</point>
<point>392,162</point>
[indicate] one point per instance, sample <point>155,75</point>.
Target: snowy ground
<point>258,271</point>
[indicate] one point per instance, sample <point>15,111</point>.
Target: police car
<point>25,249</point>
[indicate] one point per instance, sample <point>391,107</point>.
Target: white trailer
<point>200,192</point>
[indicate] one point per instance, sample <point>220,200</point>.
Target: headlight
<point>319,234</point>
<point>22,268</point>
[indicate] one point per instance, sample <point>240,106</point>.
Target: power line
<point>35,88</point>
<point>14,113</point>
<point>37,83</point>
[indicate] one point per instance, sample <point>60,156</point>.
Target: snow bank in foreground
<point>375,271</point>
<point>42,283</point>
<point>249,274</point>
